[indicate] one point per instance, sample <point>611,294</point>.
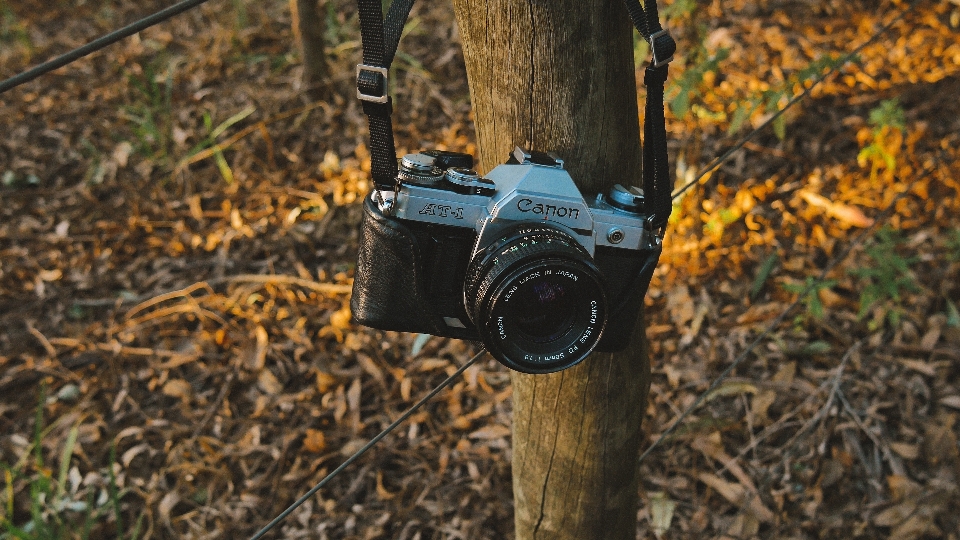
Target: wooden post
<point>558,75</point>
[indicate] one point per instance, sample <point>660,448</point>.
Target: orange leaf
<point>314,441</point>
<point>850,215</point>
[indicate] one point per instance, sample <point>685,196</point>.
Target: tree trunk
<point>558,75</point>
<point>308,27</point>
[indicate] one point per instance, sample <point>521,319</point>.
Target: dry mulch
<point>190,319</point>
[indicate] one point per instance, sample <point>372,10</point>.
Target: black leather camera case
<point>410,276</point>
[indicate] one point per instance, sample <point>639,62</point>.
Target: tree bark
<point>309,26</point>
<point>558,75</point>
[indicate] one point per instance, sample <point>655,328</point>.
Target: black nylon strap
<point>380,39</point>
<point>657,179</point>
<point>657,183</point>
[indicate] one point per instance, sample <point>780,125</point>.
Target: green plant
<point>886,279</point>
<point>771,100</point>
<point>12,30</point>
<point>953,245</point>
<point>151,112</point>
<point>763,272</point>
<point>243,18</point>
<point>210,141</point>
<point>689,86</point>
<point>58,508</point>
<point>406,62</point>
<point>885,138</point>
<point>810,291</point>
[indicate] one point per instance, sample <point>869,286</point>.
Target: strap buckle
<point>654,233</point>
<point>373,98</point>
<point>656,62</point>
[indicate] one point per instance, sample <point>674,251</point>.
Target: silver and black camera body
<point>517,259</point>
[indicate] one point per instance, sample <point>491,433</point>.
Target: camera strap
<point>380,39</point>
<point>657,180</point>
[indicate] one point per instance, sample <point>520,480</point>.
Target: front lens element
<point>536,299</point>
<point>544,310</point>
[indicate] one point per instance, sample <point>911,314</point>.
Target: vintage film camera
<point>518,259</point>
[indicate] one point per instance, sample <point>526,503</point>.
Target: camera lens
<point>536,298</point>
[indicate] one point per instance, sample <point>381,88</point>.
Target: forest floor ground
<point>178,229</point>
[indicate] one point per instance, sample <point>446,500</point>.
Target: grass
<point>151,111</point>
<point>36,505</point>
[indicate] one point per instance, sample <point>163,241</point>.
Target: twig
<point>51,350</point>
<point>167,296</point>
<point>147,301</point>
<point>216,405</point>
<point>118,349</point>
<point>895,465</point>
<point>323,288</point>
<point>834,391</point>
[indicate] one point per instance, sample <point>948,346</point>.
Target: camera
<point>517,259</point>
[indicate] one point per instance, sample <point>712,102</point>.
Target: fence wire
<point>98,44</point>
<point>775,323</point>
<point>366,447</point>
<point>720,160</point>
<point>186,5</point>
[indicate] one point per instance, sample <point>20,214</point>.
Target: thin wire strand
<point>772,326</point>
<point>98,44</point>
<point>793,101</point>
<point>366,447</point>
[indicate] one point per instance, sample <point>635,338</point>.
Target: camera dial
<point>629,199</point>
<point>419,169</point>
<point>536,298</point>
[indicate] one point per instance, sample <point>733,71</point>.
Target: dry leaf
<point>845,213</point>
<point>341,318</point>
<point>680,306</point>
<point>914,527</point>
<point>369,366</point>
<point>352,446</point>
<point>130,454</point>
<point>166,506</point>
<point>951,401</point>
<point>494,431</point>
<point>258,359</point>
<point>919,366</point>
<point>382,491</point>
<point>314,441</point>
<point>353,403</point>
<point>760,405</point>
<point>661,512</point>
<point>930,339</point>
<point>178,388</point>
<point>731,388</point>
<point>940,443</point>
<point>733,493</point>
<point>428,364</point>
<point>268,383</point>
<point>50,275</point>
<point>786,373</point>
<point>907,451</point>
<point>324,381</point>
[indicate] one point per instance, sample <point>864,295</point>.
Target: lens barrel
<point>536,298</point>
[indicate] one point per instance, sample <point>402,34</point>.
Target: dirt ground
<point>178,229</point>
